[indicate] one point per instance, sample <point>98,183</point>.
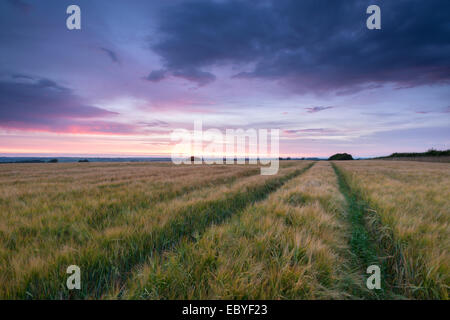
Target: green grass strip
<point>362,242</point>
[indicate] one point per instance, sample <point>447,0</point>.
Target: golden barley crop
<point>292,245</point>
<point>161,231</point>
<point>412,202</point>
<point>103,226</point>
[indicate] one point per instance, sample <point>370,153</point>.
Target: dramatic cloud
<point>111,54</point>
<point>157,75</point>
<point>317,109</point>
<point>42,104</point>
<point>230,63</point>
<point>191,74</point>
<point>311,45</point>
<point>318,130</point>
<point>200,77</point>
<point>72,126</point>
<point>155,123</point>
<point>442,110</point>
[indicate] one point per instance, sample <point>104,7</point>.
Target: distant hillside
<point>431,155</point>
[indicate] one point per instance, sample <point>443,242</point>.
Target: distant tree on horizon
<point>341,156</point>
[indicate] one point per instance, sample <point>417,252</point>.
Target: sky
<point>138,70</point>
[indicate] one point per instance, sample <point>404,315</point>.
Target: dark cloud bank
<point>30,103</point>
<point>309,45</point>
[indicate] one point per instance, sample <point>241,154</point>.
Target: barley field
<point>160,231</point>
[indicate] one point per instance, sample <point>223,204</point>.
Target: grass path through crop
<point>292,245</point>
<point>408,217</point>
<point>77,221</point>
<point>193,221</point>
<point>362,243</point>
<point>106,263</point>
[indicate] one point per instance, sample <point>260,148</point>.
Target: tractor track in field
<point>364,240</point>
<point>194,224</point>
<point>100,271</point>
<point>99,217</point>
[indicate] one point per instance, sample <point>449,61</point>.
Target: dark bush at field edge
<point>341,156</point>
